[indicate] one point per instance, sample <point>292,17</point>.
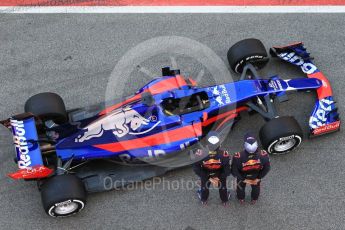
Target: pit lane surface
<point>74,55</point>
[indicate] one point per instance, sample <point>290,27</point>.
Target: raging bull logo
<point>120,122</point>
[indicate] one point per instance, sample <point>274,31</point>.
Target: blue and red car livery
<point>165,116</point>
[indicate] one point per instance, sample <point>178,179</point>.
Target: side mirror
<point>147,99</point>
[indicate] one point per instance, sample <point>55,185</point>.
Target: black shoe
<point>225,203</point>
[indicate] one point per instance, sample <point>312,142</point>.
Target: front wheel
<point>281,135</point>
<point>247,51</point>
<point>63,195</point>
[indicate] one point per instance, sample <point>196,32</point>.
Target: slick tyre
<point>247,51</point>
<point>63,195</point>
<point>281,135</point>
<point>47,106</point>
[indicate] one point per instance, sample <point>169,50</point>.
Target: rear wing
<point>26,144</point>
<point>324,118</point>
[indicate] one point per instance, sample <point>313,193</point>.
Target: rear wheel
<point>63,195</point>
<point>247,51</point>
<point>281,135</point>
<point>47,106</point>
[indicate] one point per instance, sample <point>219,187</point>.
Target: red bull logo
<point>327,128</point>
<point>20,144</point>
<point>251,162</point>
<point>212,164</point>
<point>121,122</point>
<point>251,165</point>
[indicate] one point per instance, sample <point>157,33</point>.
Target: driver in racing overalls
<point>249,167</point>
<point>213,167</point>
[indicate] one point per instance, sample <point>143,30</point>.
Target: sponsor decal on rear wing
<point>25,142</point>
<point>28,153</point>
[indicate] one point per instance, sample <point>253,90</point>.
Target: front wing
<point>324,118</point>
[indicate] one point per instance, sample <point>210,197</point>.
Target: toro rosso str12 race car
<point>70,153</point>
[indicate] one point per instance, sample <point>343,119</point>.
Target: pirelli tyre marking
<point>247,59</point>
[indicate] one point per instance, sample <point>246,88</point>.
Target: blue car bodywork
<point>169,114</point>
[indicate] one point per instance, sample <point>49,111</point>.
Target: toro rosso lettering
<point>32,173</point>
<point>20,144</point>
<point>293,58</point>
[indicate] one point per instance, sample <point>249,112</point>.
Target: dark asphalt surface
<point>74,55</point>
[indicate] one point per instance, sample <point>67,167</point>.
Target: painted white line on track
<point>170,9</point>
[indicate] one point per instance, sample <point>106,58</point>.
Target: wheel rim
<point>284,145</point>
<point>66,208</point>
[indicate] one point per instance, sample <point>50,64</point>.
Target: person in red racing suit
<point>249,167</point>
<point>212,166</point>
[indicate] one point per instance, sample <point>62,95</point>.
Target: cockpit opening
<point>183,105</point>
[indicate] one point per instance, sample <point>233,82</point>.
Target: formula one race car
<point>84,150</point>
